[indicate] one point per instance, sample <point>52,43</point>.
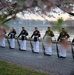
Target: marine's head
<point>63,29</point>
<point>23,28</point>
<point>48,28</point>
<point>36,28</point>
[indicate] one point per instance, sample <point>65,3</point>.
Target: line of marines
<point>62,39</point>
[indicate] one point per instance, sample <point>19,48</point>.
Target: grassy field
<point>11,69</point>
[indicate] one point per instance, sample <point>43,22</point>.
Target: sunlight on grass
<point>11,69</point>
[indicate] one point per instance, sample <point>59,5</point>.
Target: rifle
<point>8,42</point>
<point>72,50</point>
<point>18,44</point>
<point>31,46</point>
<point>43,47</point>
<point>57,48</point>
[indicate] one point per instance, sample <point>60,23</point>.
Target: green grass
<point>11,69</point>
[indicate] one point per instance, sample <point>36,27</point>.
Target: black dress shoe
<point>47,54</point>
<point>61,57</point>
<point>2,46</point>
<point>22,50</point>
<point>11,48</point>
<point>36,52</point>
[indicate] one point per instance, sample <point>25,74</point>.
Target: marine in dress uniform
<point>48,39</point>
<point>12,38</point>
<point>23,35</point>
<point>63,39</point>
<point>36,35</point>
<point>2,41</point>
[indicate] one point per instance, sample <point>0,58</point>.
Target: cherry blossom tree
<point>12,7</point>
<point>9,8</point>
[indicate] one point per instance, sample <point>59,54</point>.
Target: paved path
<point>48,64</point>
